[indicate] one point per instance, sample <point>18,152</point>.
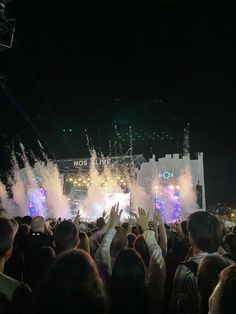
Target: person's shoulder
<point>186,269</point>
<point>9,280</point>
<point>190,266</point>
<point>11,286</point>
<point>12,282</point>
<point>228,258</point>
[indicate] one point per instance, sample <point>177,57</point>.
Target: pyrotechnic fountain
<point>36,190</point>
<point>170,183</point>
<point>103,190</point>
<point>167,184</point>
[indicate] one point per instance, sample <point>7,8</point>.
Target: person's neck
<point>2,263</point>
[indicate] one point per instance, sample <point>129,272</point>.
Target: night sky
<point>154,70</point>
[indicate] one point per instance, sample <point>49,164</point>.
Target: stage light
<point>176,196</point>
<point>70,130</point>
<point>177,187</point>
<point>171,187</point>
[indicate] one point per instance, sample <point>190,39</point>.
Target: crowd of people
<point>136,266</point>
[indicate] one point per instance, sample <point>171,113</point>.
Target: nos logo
<point>166,175</point>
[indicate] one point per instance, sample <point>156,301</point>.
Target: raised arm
<point>162,240</point>
<point>103,252</point>
<point>149,237</point>
<point>156,271</point>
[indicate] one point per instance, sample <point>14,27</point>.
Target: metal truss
<point>7,28</point>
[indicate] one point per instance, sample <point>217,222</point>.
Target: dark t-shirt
<point>33,242</point>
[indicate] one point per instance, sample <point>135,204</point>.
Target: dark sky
<point>156,70</point>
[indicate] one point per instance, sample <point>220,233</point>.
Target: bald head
<point>38,224</point>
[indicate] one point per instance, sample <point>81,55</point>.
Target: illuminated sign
<point>98,162</point>
<point>37,179</point>
<point>166,175</point>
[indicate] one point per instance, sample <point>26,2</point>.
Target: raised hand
<point>143,218</point>
<point>115,215</point>
<point>157,217</point>
<point>132,218</point>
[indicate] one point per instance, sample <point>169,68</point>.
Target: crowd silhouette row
<point>140,265</point>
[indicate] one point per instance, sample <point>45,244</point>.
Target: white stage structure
<point>177,178</point>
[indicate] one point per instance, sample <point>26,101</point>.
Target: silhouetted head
<point>125,225</point>
<point>127,283</point>
<point>65,236</point>
<point>119,241</point>
<point>27,220</point>
<point>72,284</point>
<point>40,264</point>
<point>100,222</point>
<point>131,237</point>
<point>38,224</point>
<point>6,238</point>
<point>21,234</point>
<point>204,231</point>
<point>129,266</point>
<point>135,230</point>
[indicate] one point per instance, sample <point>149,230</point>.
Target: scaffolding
<point>7,28</point>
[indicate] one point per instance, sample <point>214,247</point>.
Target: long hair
<point>142,248</point>
<point>127,284</point>
<point>72,285</point>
